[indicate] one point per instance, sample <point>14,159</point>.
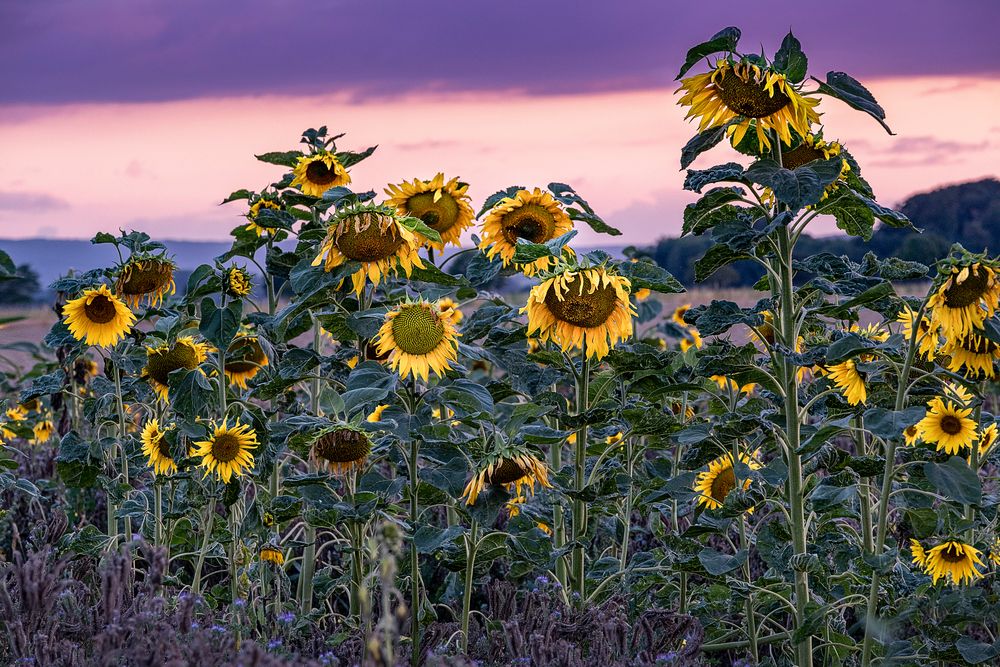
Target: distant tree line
<point>24,289</point>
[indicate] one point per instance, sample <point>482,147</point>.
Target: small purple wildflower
<point>286,617</point>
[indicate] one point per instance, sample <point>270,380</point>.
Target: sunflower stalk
<point>124,456</point>
<point>203,551</point>
<point>580,469</point>
<point>309,553</point>
<point>751,614</point>
<point>471,546</point>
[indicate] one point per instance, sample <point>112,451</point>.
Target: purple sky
<point>57,51</point>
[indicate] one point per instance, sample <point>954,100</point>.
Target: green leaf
<point>468,395</point>
<point>77,464</point>
<point>281,158</point>
<point>647,275</point>
<point>219,325</point>
<point>724,40</point>
<point>886,215</point>
<point>190,391</point>
<point>954,479</point>
<point>975,652</point>
<point>891,424</point>
<point>796,188</point>
<point>716,563</point>
<point>432,274</point>
<point>579,210</point>
<point>849,90</point>
<point>702,142</point>
<point>420,227</point>
<point>790,59</point>
<point>709,211</point>
<point>714,259</point>
<point>41,386</point>
<point>497,197</point>
<point>526,252</point>
<point>349,158</point>
<point>481,270</point>
<point>696,179</point>
<point>239,194</point>
<point>852,215</point>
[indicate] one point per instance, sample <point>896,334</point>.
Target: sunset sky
<point>145,115</point>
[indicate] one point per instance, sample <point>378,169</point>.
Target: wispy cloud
<point>25,202</point>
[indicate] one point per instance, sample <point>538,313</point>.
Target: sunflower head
<point>534,216</point>
<point>264,202</point>
<point>987,438</point>
<point>237,282</point>
<point>146,279</point>
<point>156,448</point>
<point>42,432</point>
<point>244,359</point>
<point>442,205</point>
<point>449,307</point>
<point>161,361</point>
<point>966,297</point>
<point>98,317</point>
<point>317,173</point>
<point>271,554</point>
<point>587,308</point>
<point>516,471</point>
<point>953,561</point>
<point>849,380</point>
<point>974,355</point>
<point>714,484</point>
<point>418,339</point>
<point>341,449</point>
<point>227,451</point>
<point>947,426</point>
<point>376,414</point>
<point>917,554</point>
<point>927,336</point>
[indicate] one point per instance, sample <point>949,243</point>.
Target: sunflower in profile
<point>98,317</point>
<point>927,335</point>
<point>42,432</point>
<point>340,449</point>
<point>947,426</point>
<point>974,355</point>
<point>263,203</point>
<point>987,438</point>
<point>516,471</point>
<point>418,339</point>
<point>751,95</point>
<point>849,381</point>
<point>911,435</point>
<point>963,301</point>
<point>84,368</point>
<point>317,173</point>
<point>372,235</point>
<point>157,449</point>
<point>376,414</point>
<point>271,554</point>
<point>164,359</point>
<point>146,278</point>
<point>6,435</point>
<point>449,306</point>
<point>244,359</point>
<point>917,554</point>
<point>237,282</point>
<point>714,484</point>
<point>534,216</point>
<point>678,315</point>
<point>954,561</point>
<point>584,309</point>
<point>874,332</point>
<point>727,384</point>
<point>228,450</point>
<point>691,339</point>
<point>443,206</point>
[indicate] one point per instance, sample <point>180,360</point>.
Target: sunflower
<point>813,148</point>
<point>927,337</point>
<point>17,413</point>
<point>691,339</point>
<point>157,449</point>
<point>642,294</point>
<point>873,332</point>
<point>272,554</point>
<point>237,282</point>
<point>372,235</point>
<point>419,339</point>
<point>614,439</point>
<point>84,368</point>
<point>98,316</point>
<point>714,484</point>
<point>515,471</point>
<point>6,435</point>
<point>227,452</point>
<point>534,216</point>
<point>947,426</point>
<point>911,435</point>
<point>43,432</point>
<point>244,359</point>
<point>317,173</point>
<point>449,307</point>
<point>849,381</point>
<point>376,414</point>
<point>443,206</point>
<point>341,449</point>
<point>582,309</point>
<point>917,554</point>
<point>965,300</point>
<point>974,355</point>
<point>726,384</point>
<point>750,95</point>
<point>987,438</point>
<point>161,361</point>
<point>955,561</point>
<point>262,203</point>
<point>958,393</point>
<point>146,278</point>
<point>678,314</point>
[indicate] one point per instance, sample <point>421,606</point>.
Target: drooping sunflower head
<point>849,380</point>
<point>584,309</point>
<point>442,205</point>
<point>969,295</point>
<point>714,484</point>
<point>272,554</point>
<point>161,361</point>
<point>84,368</point>
<point>691,338</point>
<point>953,561</point>
<point>418,338</point>
<point>917,554</point>
<point>516,471</point>
<point>373,235</point>
<point>156,448</point>
<point>973,355</point>
<point>752,96</point>
<point>341,449</point>
<point>237,282</point>
<point>376,415</point>
<point>244,359</point>
<point>264,202</point>
<point>947,426</point>
<point>987,438</point>
<point>678,315</point>
<point>98,317</point>
<point>317,173</point>
<point>42,432</point>
<point>17,413</point>
<point>534,216</point>
<point>228,451</point>
<point>927,333</point>
<point>146,278</point>
<point>449,307</point>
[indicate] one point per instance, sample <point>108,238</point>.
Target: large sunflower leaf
<point>790,59</point>
<point>731,172</point>
<point>281,158</point>
<point>497,197</point>
<point>714,259</point>
<point>702,142</point>
<point>886,215</point>
<point>848,89</point>
<point>219,325</point>
<point>724,40</point>
<point>349,158</point>
<point>579,210</point>
<point>851,214</point>
<point>647,275</point>
<point>709,211</point>
<point>954,479</point>
<point>796,188</point>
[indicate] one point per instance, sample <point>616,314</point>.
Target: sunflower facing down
<point>849,381</point>
<point>917,554</point>
<point>98,317</point>
<point>340,449</point>
<point>750,95</point>
<point>157,449</point>
<point>714,484</point>
<point>927,336</point>
<point>317,173</point>
<point>582,309</point>
<point>244,359</point>
<point>372,235</point>
<point>534,216</point>
<point>43,432</point>
<point>954,561</point>
<point>947,426</point>
<point>237,282</point>
<point>227,452</point>
<point>443,206</point>
<point>254,212</point>
<point>161,361</point>
<point>965,300</point>
<point>376,415</point>
<point>272,554</point>
<point>146,278</point>
<point>987,438</point>
<point>418,339</point>
<point>678,314</point>
<point>974,355</point>
<point>517,472</point>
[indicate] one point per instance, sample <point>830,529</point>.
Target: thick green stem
<point>558,520</point>
<point>471,544</point>
<point>414,556</point>
<point>157,513</point>
<point>864,489</point>
<point>580,469</point>
<point>199,565</point>
<point>234,584</point>
<point>626,517</point>
<point>112,508</point>
<point>309,552</point>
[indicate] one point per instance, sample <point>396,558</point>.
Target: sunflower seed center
<point>370,243</point>
<point>951,425</point>
<point>417,330</point>
<point>802,154</point>
<point>342,446</point>
<point>748,98</point>
<point>152,277</point>
<point>440,215</point>
<point>161,363</point>
<point>723,483</point>
<point>531,222</point>
<point>100,309</point>
<point>317,172</point>
<point>163,447</point>
<point>225,447</point>
<point>589,309</point>
<point>968,292</point>
<point>953,553</point>
<point>507,472</point>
